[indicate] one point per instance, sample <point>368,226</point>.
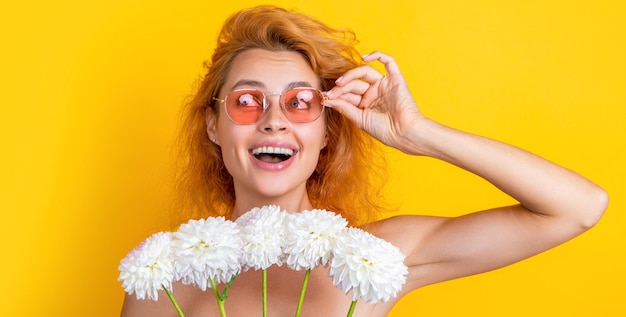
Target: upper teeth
<point>272,150</point>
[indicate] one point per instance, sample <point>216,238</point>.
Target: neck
<point>292,202</point>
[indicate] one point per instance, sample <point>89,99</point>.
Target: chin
<point>273,190</point>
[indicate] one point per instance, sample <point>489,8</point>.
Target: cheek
<point>324,136</point>
<point>226,129</point>
<point>232,156</point>
<point>315,138</point>
<point>229,138</point>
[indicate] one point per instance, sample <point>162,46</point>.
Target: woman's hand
<point>380,105</point>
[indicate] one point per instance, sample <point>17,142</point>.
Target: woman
<point>302,149</point>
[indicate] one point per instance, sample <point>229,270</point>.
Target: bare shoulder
<point>410,233</point>
<point>406,232</point>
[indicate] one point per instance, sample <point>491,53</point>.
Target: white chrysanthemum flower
<point>310,238</point>
<point>262,231</point>
<point>148,268</point>
<point>369,266</point>
<point>207,249</point>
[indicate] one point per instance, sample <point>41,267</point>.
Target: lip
<point>273,166</point>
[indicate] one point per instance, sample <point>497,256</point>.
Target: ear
<point>211,125</point>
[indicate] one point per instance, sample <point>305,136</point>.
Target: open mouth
<point>270,154</point>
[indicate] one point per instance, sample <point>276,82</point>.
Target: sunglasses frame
<point>266,103</point>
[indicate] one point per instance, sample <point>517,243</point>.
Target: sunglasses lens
<point>303,104</point>
<point>244,106</point>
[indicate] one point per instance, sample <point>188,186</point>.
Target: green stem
<point>178,310</point>
<point>220,302</point>
<point>351,311</point>
<point>224,295</point>
<point>264,293</point>
<point>303,291</point>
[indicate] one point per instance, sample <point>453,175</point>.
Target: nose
<point>274,119</point>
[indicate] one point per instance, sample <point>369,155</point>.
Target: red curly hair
<point>350,170</point>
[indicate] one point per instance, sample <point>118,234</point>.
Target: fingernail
<point>339,80</point>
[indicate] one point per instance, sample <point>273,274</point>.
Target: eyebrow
<point>260,85</point>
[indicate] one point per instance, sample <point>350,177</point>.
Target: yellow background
<point>90,95</point>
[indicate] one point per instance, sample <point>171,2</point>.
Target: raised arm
<point>555,204</point>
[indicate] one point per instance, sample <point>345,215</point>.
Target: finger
<point>347,109</point>
<point>353,87</point>
<point>365,73</point>
<point>390,63</point>
<point>353,99</point>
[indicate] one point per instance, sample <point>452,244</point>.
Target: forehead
<point>274,71</point>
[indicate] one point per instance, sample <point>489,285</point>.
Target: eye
<point>248,100</point>
<point>302,100</point>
